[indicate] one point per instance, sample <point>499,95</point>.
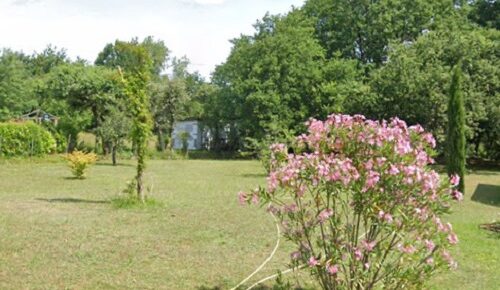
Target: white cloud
<point>24,2</point>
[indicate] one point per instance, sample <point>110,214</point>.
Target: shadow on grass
<point>117,165</point>
<point>72,178</point>
<point>488,194</point>
<point>72,200</point>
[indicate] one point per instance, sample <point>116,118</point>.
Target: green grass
<point>61,233</point>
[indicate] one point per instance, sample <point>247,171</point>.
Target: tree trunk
<point>161,141</point>
<point>140,169</point>
<point>113,153</point>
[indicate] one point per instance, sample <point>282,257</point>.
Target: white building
<point>195,131</point>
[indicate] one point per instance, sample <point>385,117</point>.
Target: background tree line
<point>380,58</point>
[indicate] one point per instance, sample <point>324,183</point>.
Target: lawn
<point>60,233</point>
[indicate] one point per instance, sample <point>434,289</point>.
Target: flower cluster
<point>359,200</point>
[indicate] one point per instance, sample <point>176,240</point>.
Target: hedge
<point>25,139</point>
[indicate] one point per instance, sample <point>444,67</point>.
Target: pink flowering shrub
<point>360,202</point>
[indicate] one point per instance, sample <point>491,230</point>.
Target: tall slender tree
<point>456,128</point>
<point>136,79</point>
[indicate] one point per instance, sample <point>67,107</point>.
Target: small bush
<point>128,202</point>
<point>25,139</point>
<point>360,202</point>
<point>79,162</point>
<point>129,199</point>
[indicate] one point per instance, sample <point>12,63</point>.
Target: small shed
<point>194,129</point>
<point>39,116</point>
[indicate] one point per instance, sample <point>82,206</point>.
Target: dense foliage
<point>377,58</point>
<point>361,204</point>
<point>25,139</point>
<point>455,141</point>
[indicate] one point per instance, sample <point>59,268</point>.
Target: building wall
<point>194,130</point>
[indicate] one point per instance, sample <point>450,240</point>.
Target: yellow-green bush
<point>79,162</point>
<point>25,139</point>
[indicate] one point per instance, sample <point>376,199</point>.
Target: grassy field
<point>60,233</point>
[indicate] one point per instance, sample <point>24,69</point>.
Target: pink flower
<point>387,217</point>
<point>242,196</point>
<point>332,269</point>
<point>447,257</point>
<point>403,147</point>
<point>369,164</point>
<point>372,179</point>
<point>368,245</point>
<point>429,261</point>
<point>255,198</point>
<point>367,266</point>
<point>455,179</point>
<point>452,239</point>
<point>291,208</point>
<point>457,195</point>
<point>278,148</point>
<point>358,255</point>
<point>272,182</point>
<point>429,245</point>
<point>408,249</point>
<point>381,161</point>
<point>429,139</point>
<point>416,128</point>
<point>325,214</point>
<point>313,262</point>
<point>393,170</point>
<point>295,255</point>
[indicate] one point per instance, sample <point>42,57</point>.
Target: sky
<point>198,29</point>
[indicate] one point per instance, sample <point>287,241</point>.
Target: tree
<point>363,29</point>
<point>168,98</point>
<point>114,129</point>
<point>16,90</point>
<point>486,13</point>
<point>44,62</point>
<point>85,88</point>
<point>270,79</point>
<point>274,80</point>
<point>456,129</point>
<point>135,80</point>
<point>414,84</point>
<point>115,55</point>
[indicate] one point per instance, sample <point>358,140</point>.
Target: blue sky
<point>199,29</point>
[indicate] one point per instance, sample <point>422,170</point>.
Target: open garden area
<point>57,232</point>
<point>224,144</point>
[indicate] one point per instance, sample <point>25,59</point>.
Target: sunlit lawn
<point>60,233</point>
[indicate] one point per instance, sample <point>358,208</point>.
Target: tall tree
<point>276,79</point>
<point>16,90</point>
<point>136,79</point>
<point>456,128</point>
<point>363,29</point>
<point>414,84</point>
<point>114,55</point>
